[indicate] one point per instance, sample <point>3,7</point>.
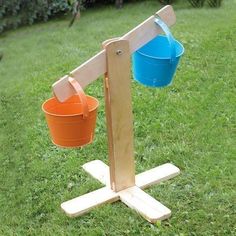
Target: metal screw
<point>118,52</point>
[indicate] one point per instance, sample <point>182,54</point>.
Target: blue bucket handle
<point>170,38</point>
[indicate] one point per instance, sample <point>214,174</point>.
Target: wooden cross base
<point>134,197</point>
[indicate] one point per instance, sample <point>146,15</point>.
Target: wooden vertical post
<point>117,85</point>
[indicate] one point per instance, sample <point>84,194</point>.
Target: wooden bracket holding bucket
<point>119,178</point>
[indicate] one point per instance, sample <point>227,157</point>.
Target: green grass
<point>191,124</point>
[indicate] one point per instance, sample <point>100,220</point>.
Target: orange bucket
<point>72,123</point>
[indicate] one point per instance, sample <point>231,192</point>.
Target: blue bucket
<point>155,63</point>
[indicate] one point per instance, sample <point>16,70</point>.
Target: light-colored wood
<point>148,30</point>
<point>134,197</point>
<point>104,43</point>
<point>108,113</point>
<point>86,202</point>
<point>156,175</point>
<point>84,74</point>
<point>96,66</point>
<point>119,115</point>
<point>100,171</point>
<point>144,204</point>
<point>114,62</point>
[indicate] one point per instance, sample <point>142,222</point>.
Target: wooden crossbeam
<point>96,66</point>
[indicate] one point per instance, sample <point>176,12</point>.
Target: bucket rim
<point>57,115</point>
<point>71,147</point>
<point>161,58</point>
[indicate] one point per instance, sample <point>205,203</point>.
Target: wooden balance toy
<point>119,177</point>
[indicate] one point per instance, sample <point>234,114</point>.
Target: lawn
<point>191,124</point>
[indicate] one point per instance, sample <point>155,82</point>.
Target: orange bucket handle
<point>76,86</point>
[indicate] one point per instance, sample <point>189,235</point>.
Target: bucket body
<point>152,65</point>
<point>155,63</point>
<point>67,126</point>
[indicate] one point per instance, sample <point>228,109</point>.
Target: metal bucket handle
<point>83,99</point>
<point>170,38</point>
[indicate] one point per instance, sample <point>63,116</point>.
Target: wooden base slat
<point>86,202</point>
<point>100,171</point>
<point>156,175</point>
<point>144,204</point>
